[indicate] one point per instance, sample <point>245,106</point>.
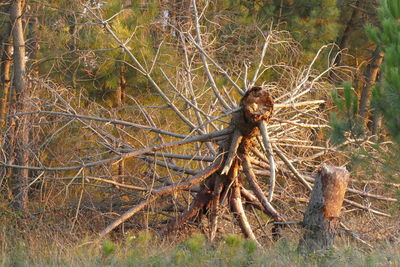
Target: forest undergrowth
<point>39,242</point>
<point>145,249</point>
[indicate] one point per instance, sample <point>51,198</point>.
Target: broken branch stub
<point>257,105</point>
<point>322,217</point>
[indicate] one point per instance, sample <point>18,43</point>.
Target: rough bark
<point>121,87</point>
<point>203,197</point>
<point>5,79</point>
<point>20,84</point>
<point>371,74</point>
<point>5,65</point>
<point>215,207</point>
<point>348,30</point>
<point>6,60</point>
<point>322,217</point>
<point>119,98</point>
<point>376,119</point>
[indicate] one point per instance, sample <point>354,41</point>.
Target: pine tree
<point>315,23</point>
<point>70,38</point>
<point>387,97</point>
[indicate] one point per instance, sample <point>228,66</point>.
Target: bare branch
<point>200,138</point>
<point>196,179</point>
<point>237,206</point>
<point>106,120</point>
<point>292,168</point>
<point>204,60</point>
<point>268,148</point>
<point>258,191</point>
<point>236,138</point>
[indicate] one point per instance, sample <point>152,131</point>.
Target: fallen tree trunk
<point>322,217</point>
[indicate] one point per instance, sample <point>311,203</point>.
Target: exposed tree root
<point>222,178</point>
<point>237,207</point>
<point>215,207</point>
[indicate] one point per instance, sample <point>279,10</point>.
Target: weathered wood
<point>196,179</point>
<point>268,149</point>
<point>20,85</point>
<point>322,217</point>
<point>215,206</point>
<point>202,199</point>
<point>237,207</point>
<point>247,169</point>
<point>221,179</point>
<point>236,139</point>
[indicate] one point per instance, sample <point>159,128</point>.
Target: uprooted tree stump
<point>221,183</point>
<point>322,217</point>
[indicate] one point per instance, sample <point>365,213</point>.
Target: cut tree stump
<point>322,217</point>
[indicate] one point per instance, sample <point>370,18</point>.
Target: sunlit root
<point>268,148</point>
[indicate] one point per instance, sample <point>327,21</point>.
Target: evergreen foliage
<point>346,123</point>
<point>387,96</point>
<point>345,120</point>
<point>315,23</point>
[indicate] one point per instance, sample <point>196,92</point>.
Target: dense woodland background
<point>94,92</point>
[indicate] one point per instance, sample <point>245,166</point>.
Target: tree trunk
<point>350,26</point>
<point>120,91</point>
<point>371,74</point>
<point>119,100</point>
<point>5,79</point>
<point>5,66</point>
<point>20,84</point>
<point>321,219</point>
<point>376,119</point>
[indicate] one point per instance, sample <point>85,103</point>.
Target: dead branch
<point>247,169</point>
<point>236,139</point>
<point>196,179</point>
<point>268,149</point>
<point>292,168</point>
<point>242,218</point>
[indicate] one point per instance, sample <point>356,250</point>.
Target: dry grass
<point>24,244</point>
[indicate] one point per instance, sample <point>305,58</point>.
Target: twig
<point>127,186</point>
<point>355,236</point>
<point>180,156</point>
<point>171,166</point>
<point>112,121</point>
<point>204,60</point>
<point>366,208</point>
<point>304,125</point>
